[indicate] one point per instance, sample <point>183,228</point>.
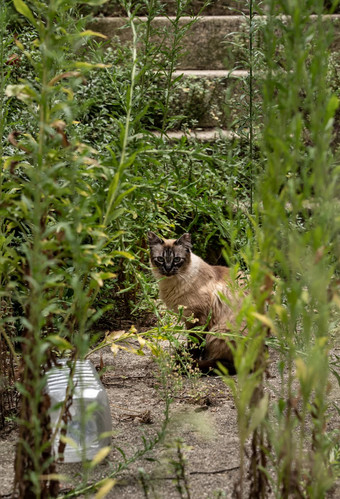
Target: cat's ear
<point>185,241</point>
<point>154,239</point>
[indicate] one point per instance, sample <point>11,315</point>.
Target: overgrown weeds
<point>292,260</point>
<point>82,180</point>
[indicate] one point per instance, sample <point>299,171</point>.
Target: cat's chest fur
<point>198,289</point>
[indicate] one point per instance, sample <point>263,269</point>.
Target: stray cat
<point>184,279</point>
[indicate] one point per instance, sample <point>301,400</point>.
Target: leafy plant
<point>292,260</point>
<point>60,201</point>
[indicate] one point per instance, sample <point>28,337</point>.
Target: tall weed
<point>293,261</point>
<point>60,201</point>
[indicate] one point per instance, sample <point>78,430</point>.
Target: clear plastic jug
<point>90,410</point>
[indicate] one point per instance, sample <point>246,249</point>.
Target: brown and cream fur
<point>197,286</point>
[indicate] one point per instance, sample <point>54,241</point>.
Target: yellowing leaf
<point>265,321</point>
<point>90,161</point>
<point>115,335</point>
<point>68,92</point>
<point>19,45</point>
<point>107,275</point>
<point>125,254</point>
<point>108,484</point>
<point>68,441</point>
<point>88,65</point>
<point>280,310</point>
<point>83,193</point>
<point>336,300</point>
<point>305,296</point>
<point>21,92</point>
<point>96,2</point>
<point>89,32</point>
<point>301,369</point>
<point>67,74</point>
<point>54,476</point>
<point>100,456</point>
<point>114,348</point>
<point>141,341</point>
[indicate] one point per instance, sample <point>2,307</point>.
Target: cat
<point>184,279</point>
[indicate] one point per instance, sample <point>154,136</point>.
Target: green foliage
<point>60,201</point>
<point>82,179</point>
<point>73,219</point>
<point>292,260</point>
<point>161,201</point>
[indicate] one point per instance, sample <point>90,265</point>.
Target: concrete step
<point>211,73</point>
<point>205,45</point>
<point>213,42</point>
<point>208,96</point>
<point>200,134</point>
<point>113,8</point>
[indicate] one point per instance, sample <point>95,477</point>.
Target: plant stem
<point>3,23</point>
<point>129,106</point>
<point>251,98</point>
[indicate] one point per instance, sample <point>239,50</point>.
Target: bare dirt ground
<point>202,415</point>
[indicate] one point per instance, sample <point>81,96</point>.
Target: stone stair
<point>214,64</point>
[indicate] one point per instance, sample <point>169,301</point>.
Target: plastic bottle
<point>90,410</point>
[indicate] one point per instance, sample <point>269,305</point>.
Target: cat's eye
<point>159,259</point>
<point>177,259</point>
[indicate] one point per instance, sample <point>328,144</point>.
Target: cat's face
<point>169,257</point>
